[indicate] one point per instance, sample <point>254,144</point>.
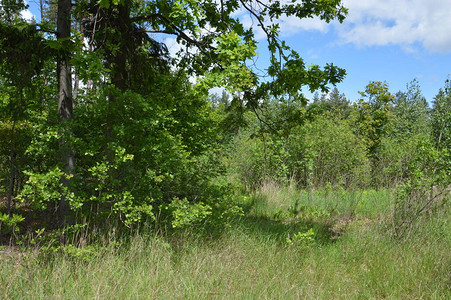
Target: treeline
<point>377,141</point>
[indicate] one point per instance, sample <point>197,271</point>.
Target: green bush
<point>8,223</point>
<point>326,151</point>
<point>320,152</point>
<point>133,154</point>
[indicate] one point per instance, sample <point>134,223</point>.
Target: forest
<point>123,176</point>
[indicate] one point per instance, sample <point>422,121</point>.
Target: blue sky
<point>380,40</point>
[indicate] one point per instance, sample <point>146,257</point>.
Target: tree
<point>374,114</point>
<point>411,112</point>
<point>327,151</point>
<point>121,28</point>
<point>144,137</point>
<point>410,126</point>
<point>65,103</point>
<point>333,102</point>
<point>23,57</point>
<point>441,117</point>
<point>10,10</point>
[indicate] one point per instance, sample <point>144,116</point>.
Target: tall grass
<point>364,203</point>
<point>252,260</point>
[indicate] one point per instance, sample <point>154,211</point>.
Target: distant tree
<point>334,103</point>
<point>220,100</point>
<point>374,114</point>
<point>411,112</point>
<point>441,117</point>
<point>327,151</point>
<point>398,148</point>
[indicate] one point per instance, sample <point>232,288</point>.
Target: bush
<point>326,151</point>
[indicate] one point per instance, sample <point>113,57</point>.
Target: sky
<point>391,40</point>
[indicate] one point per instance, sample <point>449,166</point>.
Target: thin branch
<point>261,120</point>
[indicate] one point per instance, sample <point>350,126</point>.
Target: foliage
<point>395,158</point>
<point>326,151</point>
<point>333,103</point>
<point>398,145</point>
<point>186,214</point>
<point>425,190</point>
<point>302,239</point>
<point>138,164</point>
<point>441,117</point>
<point>411,112</point>
<point>43,188</point>
<point>374,115</point>
<point>321,151</point>
<point>9,223</point>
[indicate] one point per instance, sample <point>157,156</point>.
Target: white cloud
<point>291,25</point>
<point>26,14</point>
<point>406,23</point>
<point>398,22</point>
<point>173,46</point>
<point>216,91</point>
<point>288,25</point>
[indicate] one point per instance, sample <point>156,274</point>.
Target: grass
<point>364,203</point>
<point>353,256</point>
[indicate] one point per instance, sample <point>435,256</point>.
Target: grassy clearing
<point>351,256</point>
<point>364,203</point>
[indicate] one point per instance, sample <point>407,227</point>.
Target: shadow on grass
<point>258,223</point>
<point>263,227</point>
<point>261,222</point>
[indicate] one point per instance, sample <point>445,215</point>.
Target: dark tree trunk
<point>118,61</point>
<point>120,78</point>
<point>65,107</point>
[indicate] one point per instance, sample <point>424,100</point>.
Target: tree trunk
<point>120,78</point>
<point>65,108</point>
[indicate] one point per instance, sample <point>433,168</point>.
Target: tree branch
<point>175,30</point>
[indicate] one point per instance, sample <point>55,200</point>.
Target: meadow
<point>289,244</point>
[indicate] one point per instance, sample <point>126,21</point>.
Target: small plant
<point>302,239</point>
<point>8,223</point>
<point>281,214</point>
<point>185,213</point>
<point>86,253</point>
<point>71,242</point>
